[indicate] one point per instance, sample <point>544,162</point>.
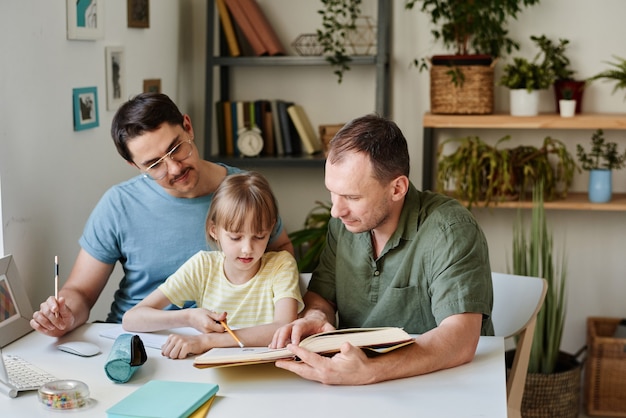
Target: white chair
<point>304,282</point>
<point>516,302</point>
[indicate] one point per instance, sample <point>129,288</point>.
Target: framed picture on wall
<point>116,76</point>
<point>138,13</point>
<point>85,19</point>
<point>152,85</point>
<point>85,101</point>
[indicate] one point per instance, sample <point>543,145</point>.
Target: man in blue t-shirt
<point>151,223</point>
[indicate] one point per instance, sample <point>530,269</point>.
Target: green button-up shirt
<point>436,264</point>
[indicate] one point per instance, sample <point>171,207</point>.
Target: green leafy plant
<point>554,57</point>
<point>603,155</point>
<point>533,255</point>
<point>310,241</point>
<point>471,27</point>
<point>338,19</point>
<point>524,74</point>
<point>568,93</point>
<point>616,74</point>
<point>481,172</point>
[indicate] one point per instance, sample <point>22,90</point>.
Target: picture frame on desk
<point>85,19</point>
<point>116,76</point>
<point>85,101</point>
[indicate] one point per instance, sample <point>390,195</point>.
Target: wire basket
<point>605,374</point>
<point>473,96</point>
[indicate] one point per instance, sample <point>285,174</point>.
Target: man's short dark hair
<point>143,113</point>
<point>380,139</point>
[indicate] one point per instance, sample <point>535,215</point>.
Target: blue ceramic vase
<point>600,186</point>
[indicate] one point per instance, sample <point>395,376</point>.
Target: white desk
<point>477,389</point>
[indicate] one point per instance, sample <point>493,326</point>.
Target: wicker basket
<point>605,373</point>
<point>475,96</point>
<point>554,395</point>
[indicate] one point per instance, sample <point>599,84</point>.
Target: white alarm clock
<point>249,141</point>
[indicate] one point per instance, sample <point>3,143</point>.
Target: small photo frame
<point>85,19</point>
<point>116,76</point>
<point>85,101</point>
<point>152,85</point>
<point>138,12</point>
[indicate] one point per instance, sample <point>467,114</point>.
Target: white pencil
<point>56,280</point>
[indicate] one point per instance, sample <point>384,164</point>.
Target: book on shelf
<point>220,128</point>
<point>291,138</point>
<point>243,22</point>
<point>235,114</point>
<point>267,127</point>
<point>310,142</point>
<point>229,141</point>
<point>375,340</point>
<point>165,399</point>
<point>278,136</point>
<point>264,30</point>
<point>227,29</point>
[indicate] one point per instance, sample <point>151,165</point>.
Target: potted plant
<point>475,33</point>
<point>552,386</point>
<point>600,161</point>
<point>556,60</point>
<point>567,105</point>
<point>524,79</point>
<point>310,240</point>
<point>479,172</point>
<point>616,74</point>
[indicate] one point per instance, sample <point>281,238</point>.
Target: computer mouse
<point>80,348</point>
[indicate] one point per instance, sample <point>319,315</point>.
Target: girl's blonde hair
<point>243,200</point>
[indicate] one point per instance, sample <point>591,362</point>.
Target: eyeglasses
<point>178,153</point>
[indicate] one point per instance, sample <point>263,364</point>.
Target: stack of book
<point>247,30</point>
<point>285,127</point>
<point>166,399</point>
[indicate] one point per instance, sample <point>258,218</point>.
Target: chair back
<point>516,303</point>
<point>304,282</point>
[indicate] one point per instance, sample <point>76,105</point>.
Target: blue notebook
<point>182,399</point>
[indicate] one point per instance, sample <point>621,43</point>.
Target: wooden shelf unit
<point>574,201</point>
<point>590,121</point>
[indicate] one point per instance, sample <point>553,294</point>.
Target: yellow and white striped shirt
<point>202,279</point>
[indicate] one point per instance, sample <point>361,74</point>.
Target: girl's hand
<point>180,346</point>
<point>206,321</point>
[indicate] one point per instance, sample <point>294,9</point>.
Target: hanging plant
<point>338,19</point>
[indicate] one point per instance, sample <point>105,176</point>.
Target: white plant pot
<point>524,103</point>
<point>567,108</point>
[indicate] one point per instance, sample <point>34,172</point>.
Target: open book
<point>377,340</point>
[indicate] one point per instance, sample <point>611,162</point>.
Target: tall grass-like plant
<point>533,255</point>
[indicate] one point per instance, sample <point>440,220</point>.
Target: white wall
<point>53,176</point>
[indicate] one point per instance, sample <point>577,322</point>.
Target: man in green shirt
<point>395,256</point>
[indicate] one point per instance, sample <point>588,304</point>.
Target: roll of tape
<point>64,394</point>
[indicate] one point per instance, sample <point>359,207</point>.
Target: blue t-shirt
<point>150,232</point>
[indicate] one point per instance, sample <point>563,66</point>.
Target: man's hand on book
<point>348,367</point>
<point>301,328</point>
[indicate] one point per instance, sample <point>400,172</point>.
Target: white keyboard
<point>24,375</point>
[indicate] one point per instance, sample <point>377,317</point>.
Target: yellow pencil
<point>230,331</point>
